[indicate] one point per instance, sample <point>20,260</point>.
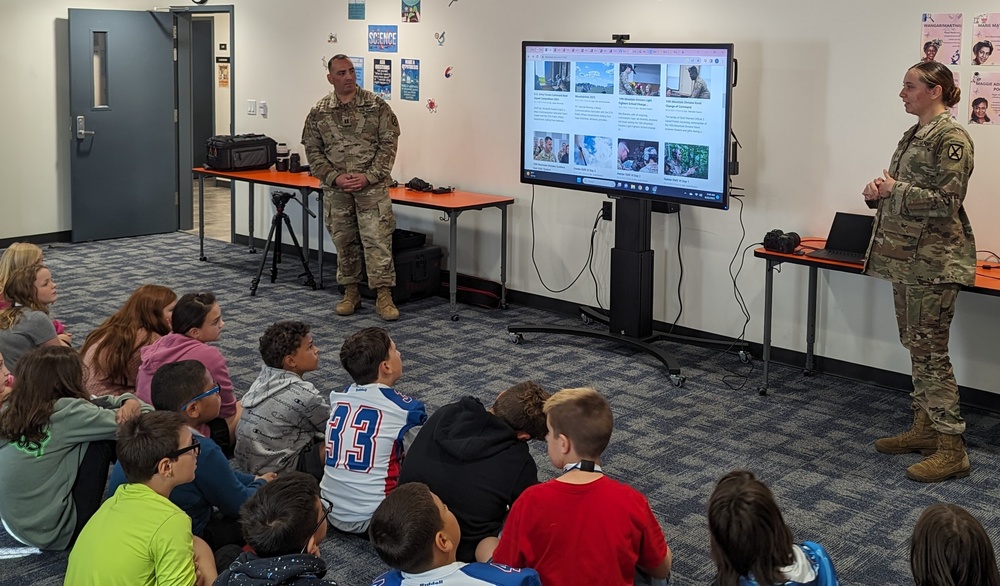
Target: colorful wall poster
<point>409,79</point>
<point>359,70</point>
<point>984,98</point>
<point>941,37</point>
<point>223,74</point>
<point>383,38</point>
<point>411,10</point>
<point>985,38</point>
<point>382,78</point>
<point>355,9</point>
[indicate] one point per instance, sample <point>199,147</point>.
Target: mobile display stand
<point>630,321</point>
<point>279,199</point>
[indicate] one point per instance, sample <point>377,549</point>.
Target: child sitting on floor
<point>371,426</point>
<point>56,445</point>
<point>196,321</point>
<point>416,535</point>
<point>283,525</point>
<point>26,324</point>
<point>751,544</point>
<point>284,417</point>
<point>111,353</point>
<point>582,527</point>
<point>19,255</point>
<point>138,537</point>
<point>949,547</point>
<point>185,387</point>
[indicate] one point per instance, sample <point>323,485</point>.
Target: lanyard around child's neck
<point>583,466</point>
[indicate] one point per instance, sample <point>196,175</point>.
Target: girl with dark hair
<point>751,545</point>
<point>26,324</point>
<point>196,321</point>
<point>923,244</point>
<point>949,547</point>
<point>56,445</point>
<point>111,352</point>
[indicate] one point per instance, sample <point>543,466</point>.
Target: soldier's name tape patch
<point>955,152</point>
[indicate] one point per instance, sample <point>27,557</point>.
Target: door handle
<point>81,128</point>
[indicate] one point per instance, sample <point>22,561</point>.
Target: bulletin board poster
<point>383,38</point>
<point>941,37</point>
<point>223,75</point>
<point>411,10</point>
<point>985,38</point>
<point>356,10</point>
<point>382,78</point>
<point>359,70</point>
<point>409,79</point>
<point>984,98</point>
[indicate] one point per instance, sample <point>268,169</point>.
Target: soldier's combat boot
<point>919,438</point>
<point>949,461</point>
<point>384,306</point>
<point>350,302</point>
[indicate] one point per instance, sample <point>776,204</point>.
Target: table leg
<point>305,222</point>
<point>768,301</point>
<point>252,193</point>
<point>453,264</point>
<point>503,257</point>
<point>201,217</point>
<point>811,322</point>
<point>321,237</point>
<point>232,211</point>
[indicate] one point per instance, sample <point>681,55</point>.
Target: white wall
<point>816,110</point>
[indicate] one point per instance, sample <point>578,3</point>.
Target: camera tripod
<point>279,199</point>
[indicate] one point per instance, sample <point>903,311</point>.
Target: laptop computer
<point>848,240</point>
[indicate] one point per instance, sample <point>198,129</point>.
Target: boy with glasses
<point>138,537</point>
<point>187,388</point>
<point>283,524</point>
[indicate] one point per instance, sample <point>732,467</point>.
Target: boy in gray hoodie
<point>284,416</point>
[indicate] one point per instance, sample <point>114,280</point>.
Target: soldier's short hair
<point>337,57</point>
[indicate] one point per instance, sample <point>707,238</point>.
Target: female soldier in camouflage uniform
<point>923,243</point>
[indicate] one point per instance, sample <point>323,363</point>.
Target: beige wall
<point>816,110</point>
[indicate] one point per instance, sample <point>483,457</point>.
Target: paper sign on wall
<point>411,10</point>
<point>984,99</point>
<point>409,82</point>
<point>359,70</point>
<point>382,78</point>
<point>355,9</point>
<point>985,38</point>
<point>383,38</point>
<point>941,37</point>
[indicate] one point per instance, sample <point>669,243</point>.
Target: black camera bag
<point>242,152</point>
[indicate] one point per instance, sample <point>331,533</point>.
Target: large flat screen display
<point>641,120</point>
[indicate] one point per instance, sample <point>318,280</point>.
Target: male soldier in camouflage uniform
<point>350,139</point>
<point>923,243</point>
<point>699,89</point>
<point>546,154</point>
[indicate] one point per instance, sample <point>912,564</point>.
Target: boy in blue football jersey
<point>416,534</point>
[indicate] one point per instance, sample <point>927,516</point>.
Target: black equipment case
<point>418,274</point>
<point>243,152</point>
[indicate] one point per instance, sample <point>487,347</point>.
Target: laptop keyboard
<point>855,257</point>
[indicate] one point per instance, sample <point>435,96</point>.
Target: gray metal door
<point>122,156</point>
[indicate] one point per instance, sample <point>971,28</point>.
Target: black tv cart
<point>630,321</point>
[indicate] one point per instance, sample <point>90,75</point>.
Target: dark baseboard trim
<point>974,398</point>
<point>51,237</point>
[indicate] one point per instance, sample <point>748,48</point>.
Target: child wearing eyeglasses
<point>138,534</point>
<point>56,444</point>
<point>196,322</point>
<point>187,388</point>
<point>283,524</point>
<point>284,416</point>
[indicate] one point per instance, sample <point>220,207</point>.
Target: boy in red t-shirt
<point>582,527</point>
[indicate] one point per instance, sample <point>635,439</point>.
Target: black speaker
<point>783,242</point>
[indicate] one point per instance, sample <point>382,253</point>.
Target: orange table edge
<point>452,204</point>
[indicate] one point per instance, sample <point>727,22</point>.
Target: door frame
<point>183,100</point>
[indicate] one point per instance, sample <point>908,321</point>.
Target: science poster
<point>984,98</point>
<point>355,9</point>
<point>411,10</point>
<point>409,80</point>
<point>383,38</point>
<point>941,37</point>
<point>382,78</point>
<point>985,38</point>
<point>359,70</point>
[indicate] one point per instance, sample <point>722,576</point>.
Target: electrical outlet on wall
<point>251,107</point>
